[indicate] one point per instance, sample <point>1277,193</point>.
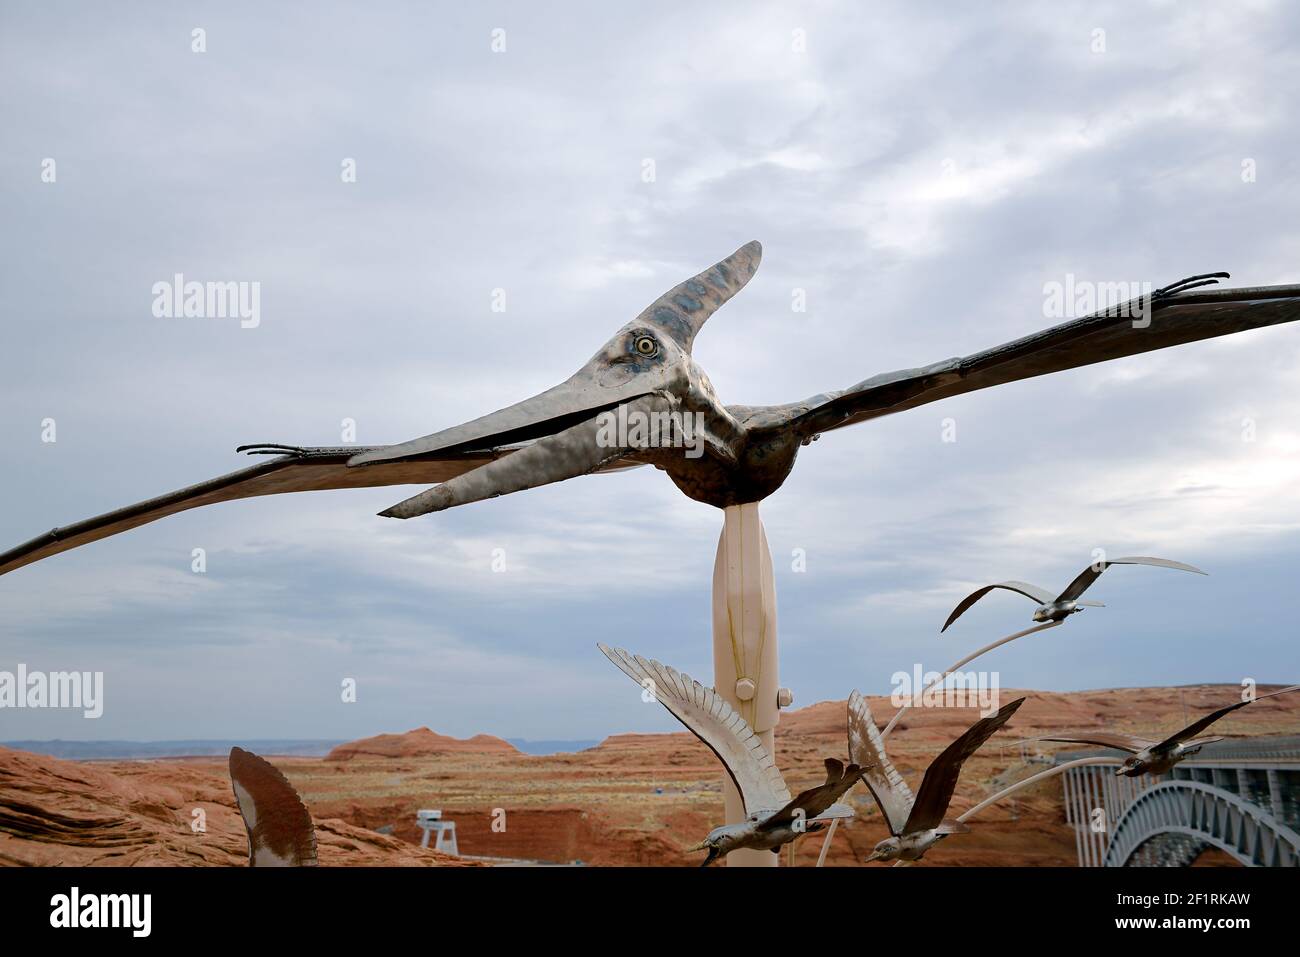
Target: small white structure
<point>431,822</point>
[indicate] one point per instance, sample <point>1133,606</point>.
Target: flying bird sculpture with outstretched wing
<point>1071,600</point>
<point>1149,756</point>
<point>916,823</point>
<point>772,817</point>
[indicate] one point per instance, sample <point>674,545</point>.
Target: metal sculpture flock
<point>643,400</point>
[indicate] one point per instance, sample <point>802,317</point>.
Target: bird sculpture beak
<point>574,428</point>
<point>698,847</point>
<point>873,856</point>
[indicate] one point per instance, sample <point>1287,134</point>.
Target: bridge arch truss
<point>1240,796</point>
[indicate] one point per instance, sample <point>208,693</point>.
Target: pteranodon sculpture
<point>1157,757</point>
<point>917,823</point>
<point>772,817</point>
<point>646,370</point>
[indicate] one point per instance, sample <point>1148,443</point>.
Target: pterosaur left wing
<point>1172,318</point>
<point>290,469</point>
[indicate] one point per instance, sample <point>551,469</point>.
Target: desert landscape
<point>635,799</point>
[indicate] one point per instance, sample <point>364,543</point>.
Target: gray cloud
<point>921,174</point>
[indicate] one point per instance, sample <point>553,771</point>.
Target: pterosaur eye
<point>646,346</point>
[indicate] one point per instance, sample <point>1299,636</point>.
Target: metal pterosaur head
<point>640,393</point>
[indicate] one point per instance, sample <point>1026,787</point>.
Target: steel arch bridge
<point>1170,824</point>
<point>1242,797</point>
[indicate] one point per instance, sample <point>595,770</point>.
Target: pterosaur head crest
<point>645,368</point>
<point>680,313</point>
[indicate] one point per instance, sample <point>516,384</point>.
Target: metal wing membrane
<point>867,750</point>
<point>1174,320</point>
<point>1090,574</point>
<point>280,829</point>
<point>941,776</point>
<point>1040,595</point>
<point>291,470</point>
<point>711,719</point>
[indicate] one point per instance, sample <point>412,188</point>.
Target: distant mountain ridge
<point>196,747</point>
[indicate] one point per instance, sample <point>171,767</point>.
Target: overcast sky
<point>920,171</point>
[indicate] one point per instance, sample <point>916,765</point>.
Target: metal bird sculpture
<point>917,823</point>
<point>1157,757</point>
<point>280,829</point>
<point>772,817</point>
<point>1067,602</point>
<point>645,377</point>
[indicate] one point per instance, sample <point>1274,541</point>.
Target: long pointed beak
<point>697,847</point>
<point>873,856</point>
<point>574,451</point>
<point>577,398</point>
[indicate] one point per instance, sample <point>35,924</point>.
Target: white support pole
<point>957,664</point>
<point>744,644</point>
<point>1034,778</point>
<point>826,843</point>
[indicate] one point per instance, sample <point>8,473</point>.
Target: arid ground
<point>636,799</point>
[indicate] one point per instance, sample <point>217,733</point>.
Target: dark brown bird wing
<point>1104,739</point>
<point>1083,581</point>
<point>816,801</point>
<point>1199,725</point>
<point>1040,595</point>
<point>1175,318</point>
<point>280,829</point>
<point>941,776</point>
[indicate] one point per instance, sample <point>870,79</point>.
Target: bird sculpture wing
<point>1178,314</point>
<point>1103,739</point>
<point>815,803</point>
<point>867,750</point>
<point>1199,725</point>
<point>941,776</point>
<point>1040,595</point>
<point>706,715</point>
<point>292,469</point>
<point>1090,574</point>
<point>280,830</point>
